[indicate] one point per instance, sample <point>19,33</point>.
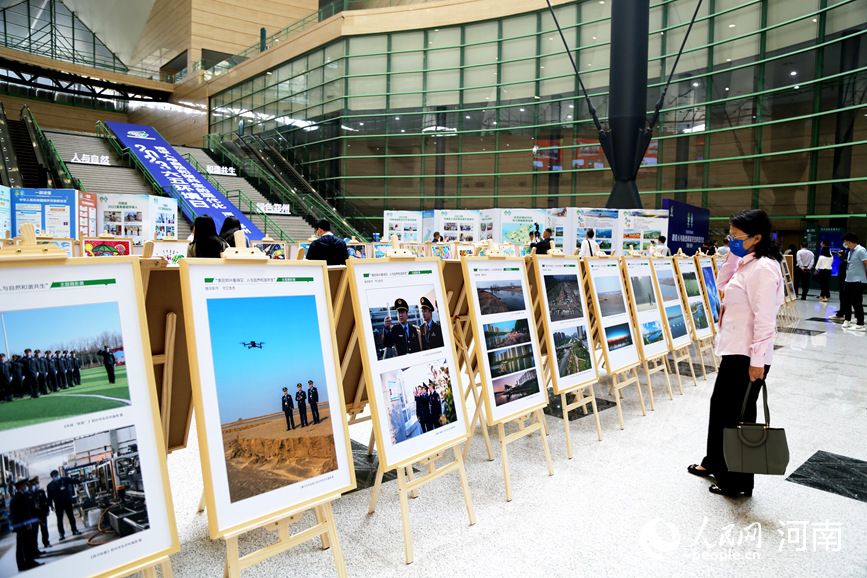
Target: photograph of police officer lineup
<point>404,320</point>
<point>274,409</point>
<point>71,497</point>
<point>60,362</point>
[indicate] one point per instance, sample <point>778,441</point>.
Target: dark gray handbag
<point>756,448</point>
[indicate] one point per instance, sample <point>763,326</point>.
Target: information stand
<point>642,293</point>
<point>109,293</point>
<point>405,432</point>
<point>612,328</point>
<point>506,276</point>
<point>239,501</point>
<point>558,295</point>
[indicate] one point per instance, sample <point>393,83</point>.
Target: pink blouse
<point>752,293</point>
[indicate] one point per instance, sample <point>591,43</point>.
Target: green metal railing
<point>297,27</point>
<point>243,199</point>
<point>307,205</point>
<point>49,151</point>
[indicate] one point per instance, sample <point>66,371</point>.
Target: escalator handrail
<point>10,169</point>
<point>53,160</point>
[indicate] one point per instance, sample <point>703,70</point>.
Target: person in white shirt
<point>661,248</point>
<point>803,263</point>
<point>724,250</point>
<point>823,271</point>
<point>589,248</point>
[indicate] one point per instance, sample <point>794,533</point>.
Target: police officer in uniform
<point>31,373</point>
<point>301,398</point>
<point>76,369</point>
<point>60,494</point>
<point>68,361</point>
<point>41,372</point>
<point>5,378</point>
<point>51,371</point>
<point>403,336</point>
<point>108,361</point>
<point>422,409</point>
<point>58,368</point>
<point>288,409</point>
<point>17,368</point>
<point>43,506</point>
<point>436,408</point>
<point>313,398</point>
<point>24,520</point>
<point>431,331</point>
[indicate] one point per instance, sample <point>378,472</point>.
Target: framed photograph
<point>171,251</point>
<point>267,388</point>
<point>499,301</point>
<point>442,250</point>
<point>274,249</point>
<point>564,314</point>
<point>408,354</point>
<point>99,247</point>
<point>609,298</point>
<point>76,423</point>
<point>644,300</point>
<point>464,250</point>
<point>379,249</point>
<point>358,250</point>
<point>718,261</point>
<point>699,319</point>
<point>417,249</point>
<point>668,294</point>
<point>708,281</point>
<point>68,245</point>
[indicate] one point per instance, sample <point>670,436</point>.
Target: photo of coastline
<point>564,297</point>
<point>618,336</point>
<point>667,285</point>
<point>676,322</point>
<point>573,350</point>
<point>642,290</point>
<point>515,386</point>
<point>609,294</point>
<point>500,296</point>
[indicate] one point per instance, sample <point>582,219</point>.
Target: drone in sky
<point>252,344</point>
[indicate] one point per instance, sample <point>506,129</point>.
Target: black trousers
<point>302,414</point>
<point>805,283</point>
<point>729,390</point>
<point>43,527</point>
<point>60,510</point>
<point>109,369</point>
<point>314,411</point>
<point>23,549</point>
<point>290,421</point>
<point>853,299</point>
<point>825,282</point>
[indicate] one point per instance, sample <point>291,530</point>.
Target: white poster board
<point>512,377</point>
<point>640,228</point>
<point>124,216</point>
<point>5,212</point>
<point>407,225</point>
<point>566,323</point>
<point>559,221</point>
<point>456,225</point>
<point>606,228</point>
<point>490,226</point>
<point>708,279</point>
<point>698,315</point>
<point>676,325</point>
<point>644,294</point>
<point>162,218</point>
<point>618,334</point>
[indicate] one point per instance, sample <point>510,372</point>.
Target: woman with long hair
<point>750,283</point>
<point>823,272</point>
<point>230,226</point>
<point>206,243</point>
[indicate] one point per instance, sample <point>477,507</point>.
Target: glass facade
<point>768,108</point>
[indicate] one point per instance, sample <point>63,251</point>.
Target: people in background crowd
<point>856,280</point>
<point>543,246</point>
<point>589,248</point>
<point>751,282</point>
<point>436,237</point>
<point>803,264</point>
<point>327,247</point>
<point>823,271</point>
<point>231,226</point>
<point>206,243</point>
<point>661,247</point>
<point>724,250</point>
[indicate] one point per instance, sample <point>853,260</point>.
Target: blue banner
<point>171,170</point>
<point>687,226</point>
<point>52,212</point>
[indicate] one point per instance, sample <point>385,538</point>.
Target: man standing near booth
<point>856,280</point>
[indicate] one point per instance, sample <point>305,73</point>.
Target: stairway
<point>72,145</point>
<point>294,226</point>
<point>33,175</point>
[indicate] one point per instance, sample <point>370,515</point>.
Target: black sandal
<point>715,489</point>
<point>703,473</point>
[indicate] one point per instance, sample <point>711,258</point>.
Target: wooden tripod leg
<point>649,385</point>
<point>232,569</point>
<point>166,568</point>
<point>404,514</point>
<point>334,540</point>
<point>371,444</point>
<point>462,472</point>
<point>595,412</point>
<point>201,503</point>
<point>377,486</point>
<point>540,416</point>
<point>477,416</point>
<point>638,388</point>
<point>701,359</point>
<point>566,423</point>
<point>674,365</point>
<point>667,380</point>
<point>614,382</point>
<point>319,514</point>
<point>410,473</point>
<point>502,433</point>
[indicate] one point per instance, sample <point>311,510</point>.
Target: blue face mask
<point>736,246</point>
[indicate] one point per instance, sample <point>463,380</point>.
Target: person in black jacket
<point>60,494</point>
<point>76,368</point>
<point>5,378</point>
<point>231,225</point>
<point>17,369</point>
<point>543,246</point>
<point>108,361</point>
<point>301,398</point>
<point>288,409</point>
<point>327,247</point>
<point>422,409</point>
<point>30,369</point>
<point>51,371</point>
<point>68,361</point>
<point>313,399</point>
<point>43,507</point>
<point>431,331</point>
<point>403,336</point>
<point>24,520</point>
<point>60,367</point>
<point>436,407</point>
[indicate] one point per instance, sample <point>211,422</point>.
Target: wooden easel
<point>325,528</point>
<point>167,360</point>
<point>623,377</point>
<point>27,250</point>
<point>702,344</point>
<point>406,479</point>
<point>681,354</point>
<point>536,417</point>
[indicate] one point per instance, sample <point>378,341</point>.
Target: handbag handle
<point>761,383</point>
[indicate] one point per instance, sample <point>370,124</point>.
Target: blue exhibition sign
<point>687,226</point>
<point>171,170</point>
<point>52,212</point>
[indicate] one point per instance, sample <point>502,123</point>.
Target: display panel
<point>708,280</point>
<point>697,312</point>
<point>618,334</point>
<point>668,288</point>
<point>644,295</point>
<point>274,249</point>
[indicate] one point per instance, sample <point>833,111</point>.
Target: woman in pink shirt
<point>751,285</point>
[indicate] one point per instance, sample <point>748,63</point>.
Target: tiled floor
<point>624,506</point>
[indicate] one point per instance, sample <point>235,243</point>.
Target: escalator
<point>10,176</point>
<point>33,171</point>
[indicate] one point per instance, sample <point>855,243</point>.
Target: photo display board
<point>698,315</point>
<point>171,251</point>
<point>68,245</point>
<point>379,249</point>
<point>417,249</point>
<point>254,329</point>
<point>274,249</point>
<point>708,280</point>
<point>644,295</point>
<point>84,414</point>
<point>618,334</point>
<point>676,325</point>
<point>442,250</point>
<point>408,353</point>
<point>606,228</point>
<point>566,324</point>
<point>500,307</point>
<point>358,250</point>
<point>100,247</point>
